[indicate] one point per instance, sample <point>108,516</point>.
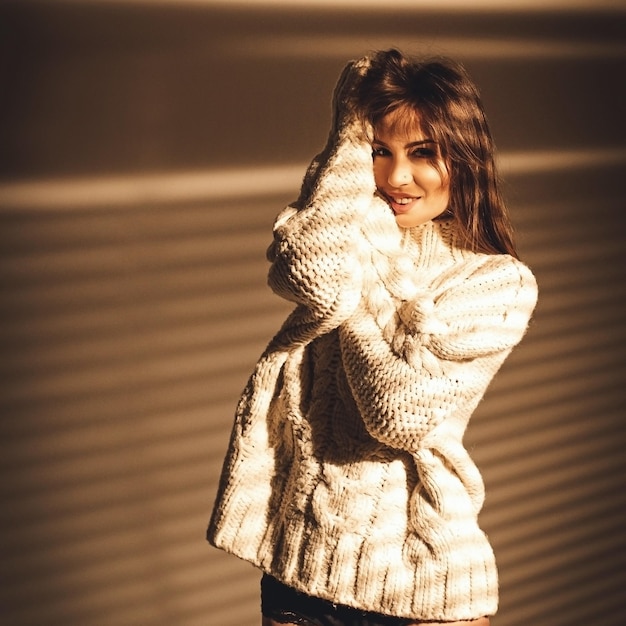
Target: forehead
<point>403,122</point>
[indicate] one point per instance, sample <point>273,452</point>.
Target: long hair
<point>450,111</point>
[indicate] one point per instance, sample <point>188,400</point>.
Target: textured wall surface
<point>145,149</point>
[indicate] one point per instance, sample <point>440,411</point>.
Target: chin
<point>409,221</point>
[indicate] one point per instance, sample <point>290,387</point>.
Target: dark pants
<point>288,606</point>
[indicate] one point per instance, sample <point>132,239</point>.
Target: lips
<point>401,204</point>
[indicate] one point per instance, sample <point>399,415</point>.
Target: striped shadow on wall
<point>129,330</point>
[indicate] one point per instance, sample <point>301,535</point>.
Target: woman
<point>346,481</point>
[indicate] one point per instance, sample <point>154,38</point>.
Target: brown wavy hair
<point>450,111</point>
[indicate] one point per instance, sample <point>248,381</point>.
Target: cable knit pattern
<point>324,275</point>
<point>346,476</point>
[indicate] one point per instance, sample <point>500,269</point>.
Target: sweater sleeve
<point>317,248</point>
<point>448,345</point>
<point>316,252</point>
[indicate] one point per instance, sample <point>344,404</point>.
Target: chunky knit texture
<point>346,475</point>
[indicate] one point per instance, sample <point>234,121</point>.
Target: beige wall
<point>144,151</point>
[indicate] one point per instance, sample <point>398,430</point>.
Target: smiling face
<point>408,169</point>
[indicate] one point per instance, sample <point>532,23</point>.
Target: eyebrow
<point>411,144</point>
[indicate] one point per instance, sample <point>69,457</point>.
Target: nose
<point>399,173</point>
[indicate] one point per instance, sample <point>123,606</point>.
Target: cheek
<point>432,180</point>
<point>442,195</point>
<point>437,186</point>
<point>379,172</point>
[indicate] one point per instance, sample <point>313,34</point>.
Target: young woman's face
<point>404,172</point>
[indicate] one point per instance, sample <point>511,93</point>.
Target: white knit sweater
<point>346,475</point>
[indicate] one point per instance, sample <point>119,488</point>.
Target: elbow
<point>401,429</point>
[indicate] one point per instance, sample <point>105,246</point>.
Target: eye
<point>378,151</point>
<point>424,152</point>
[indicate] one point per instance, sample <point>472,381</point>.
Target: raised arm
<point>316,252</point>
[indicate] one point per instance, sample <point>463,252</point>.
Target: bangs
<point>403,120</point>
